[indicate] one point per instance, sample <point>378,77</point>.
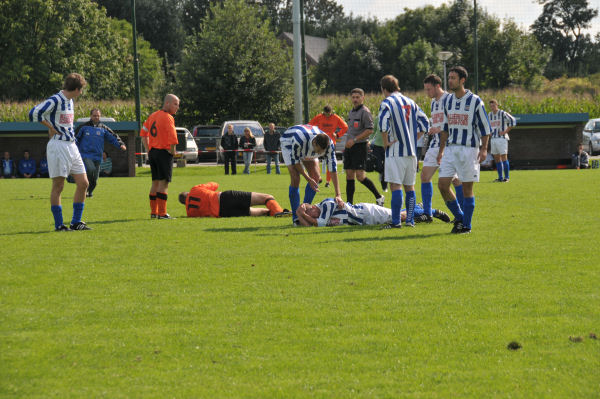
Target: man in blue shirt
<point>8,167</point>
<point>26,166</point>
<point>90,139</point>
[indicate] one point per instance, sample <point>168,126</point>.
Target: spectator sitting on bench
<point>580,159</point>
<point>105,165</point>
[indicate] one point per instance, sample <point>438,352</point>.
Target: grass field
<point>255,308</point>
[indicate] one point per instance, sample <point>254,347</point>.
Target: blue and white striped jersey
<point>402,119</point>
<point>437,119</point>
<point>357,214</point>
<point>298,141</point>
<point>465,120</point>
<point>58,110</point>
<point>500,121</point>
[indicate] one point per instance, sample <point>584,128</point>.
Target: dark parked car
<point>206,138</point>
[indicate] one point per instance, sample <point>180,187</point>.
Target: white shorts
<point>63,159</point>
<point>401,170</point>
<point>499,146</point>
<point>375,214</point>
<point>431,157</point>
<point>462,161</point>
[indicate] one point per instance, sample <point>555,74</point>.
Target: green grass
<point>255,308</point>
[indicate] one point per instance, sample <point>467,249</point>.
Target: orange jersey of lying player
<point>203,201</point>
<point>329,124</point>
<point>160,130</point>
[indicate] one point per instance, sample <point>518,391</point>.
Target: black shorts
<point>161,164</point>
<point>355,157</point>
<point>234,203</point>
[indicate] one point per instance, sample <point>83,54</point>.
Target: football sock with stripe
<point>273,206</point>
<point>294,194</point>
<point>396,206</point>
<point>368,183</point>
<point>506,168</point>
<point>309,194</point>
<point>426,196</point>
<point>455,209</point>
<point>77,212</point>
<point>161,202</point>
<point>350,191</point>
<point>57,213</point>
<point>468,209</point>
<point>460,197</point>
<point>411,200</point>
<point>499,166</point>
<point>153,205</point>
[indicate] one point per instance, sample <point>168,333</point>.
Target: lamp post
<point>444,56</point>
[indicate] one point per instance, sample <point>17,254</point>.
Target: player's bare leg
<point>58,184</point>
<point>82,184</point>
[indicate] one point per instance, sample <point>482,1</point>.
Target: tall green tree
<point>234,68</point>
<point>41,41</point>
<point>561,28</point>
<point>349,62</point>
<point>158,21</point>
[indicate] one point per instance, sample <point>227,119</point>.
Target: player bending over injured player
<point>326,213</point>
<point>204,200</point>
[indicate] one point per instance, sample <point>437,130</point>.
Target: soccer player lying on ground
<point>326,213</point>
<point>204,200</point>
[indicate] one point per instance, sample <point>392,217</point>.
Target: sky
<point>523,12</point>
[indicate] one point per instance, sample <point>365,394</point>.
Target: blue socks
<point>468,209</point>
<point>77,212</point>
<point>309,194</point>
<point>294,194</point>
<point>506,168</point>
<point>411,200</point>
<point>499,167</point>
<point>455,209</point>
<point>426,196</point>
<point>57,213</point>
<point>460,197</point>
<point>396,206</point>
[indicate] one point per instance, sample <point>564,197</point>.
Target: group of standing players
<point>458,140</point>
<point>459,134</point>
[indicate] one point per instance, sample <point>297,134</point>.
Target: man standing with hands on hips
<point>160,138</point>
<point>463,145</point>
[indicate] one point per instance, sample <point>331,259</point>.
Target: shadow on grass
<point>91,224</point>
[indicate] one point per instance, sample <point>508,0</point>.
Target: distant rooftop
<point>315,46</point>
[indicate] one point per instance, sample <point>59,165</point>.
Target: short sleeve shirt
<point>160,130</point>
<point>359,120</point>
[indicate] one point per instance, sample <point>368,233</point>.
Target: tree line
<point>224,59</point>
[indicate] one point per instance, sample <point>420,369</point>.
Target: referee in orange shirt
<point>332,125</point>
<point>160,138</point>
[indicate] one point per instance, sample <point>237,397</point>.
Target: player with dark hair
<point>57,114</point>
<point>160,138</point>
<point>360,127</point>
<point>433,87</point>
<point>334,126</point>
<point>502,122</point>
<point>327,213</point>
<point>463,145</point>
<point>204,200</point>
<point>301,146</point>
<point>401,121</point>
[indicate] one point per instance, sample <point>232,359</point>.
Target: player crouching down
<point>326,213</point>
<point>204,200</point>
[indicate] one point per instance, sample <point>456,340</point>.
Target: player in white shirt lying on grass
<point>326,213</point>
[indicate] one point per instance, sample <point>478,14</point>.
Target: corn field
<point>515,101</point>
